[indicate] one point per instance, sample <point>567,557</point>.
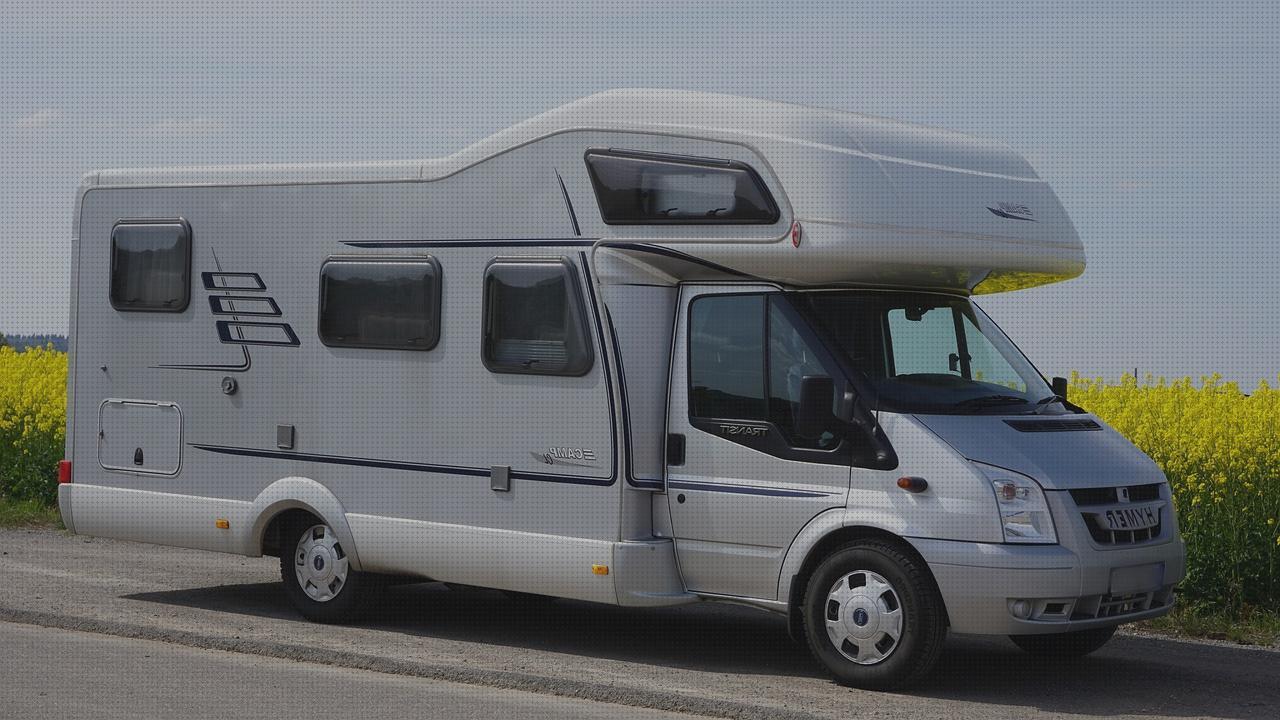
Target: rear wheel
<point>1065,645</point>
<point>317,574</point>
<point>873,617</point>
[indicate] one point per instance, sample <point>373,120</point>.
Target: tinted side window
<point>635,188</point>
<point>388,303</point>
<point>726,357</point>
<point>791,360</point>
<point>534,319</point>
<point>151,266</point>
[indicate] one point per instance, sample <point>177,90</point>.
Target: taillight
<point>64,471</point>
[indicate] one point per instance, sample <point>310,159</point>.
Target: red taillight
<point>64,471</point>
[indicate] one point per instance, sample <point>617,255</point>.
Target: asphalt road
<point>706,659</point>
<point>64,674</point>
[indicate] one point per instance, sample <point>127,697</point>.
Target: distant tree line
<point>22,342</point>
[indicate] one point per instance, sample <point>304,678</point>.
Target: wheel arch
<point>816,541</point>
<point>293,495</point>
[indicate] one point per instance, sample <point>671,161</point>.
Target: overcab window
<point>385,303</point>
<point>635,188</point>
<point>151,266</point>
<point>534,319</point>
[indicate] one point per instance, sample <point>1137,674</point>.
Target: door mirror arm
<point>851,410</point>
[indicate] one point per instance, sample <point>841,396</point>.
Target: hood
<point>1058,459</point>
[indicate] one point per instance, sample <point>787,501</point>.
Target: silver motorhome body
<point>555,395</point>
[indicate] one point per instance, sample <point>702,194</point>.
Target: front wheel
<point>318,577</point>
<point>1065,645</point>
<point>873,617</point>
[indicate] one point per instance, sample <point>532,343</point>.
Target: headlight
<point>1024,514</point>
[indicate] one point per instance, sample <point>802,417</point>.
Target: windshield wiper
<point>1043,403</point>
<point>992,401</point>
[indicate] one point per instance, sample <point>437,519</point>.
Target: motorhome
<point>649,348</point>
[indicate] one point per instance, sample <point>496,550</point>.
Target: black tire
<point>923,620</point>
<point>349,600</point>
<point>1065,645</point>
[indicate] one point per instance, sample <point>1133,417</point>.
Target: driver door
<point>746,482</point>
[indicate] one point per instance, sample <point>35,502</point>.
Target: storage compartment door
<point>140,436</point>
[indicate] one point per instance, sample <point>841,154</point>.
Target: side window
<point>639,188</point>
<point>386,303</point>
<point>747,361</point>
<point>726,357</point>
<point>151,266</point>
<point>791,360</point>
<point>534,319</point>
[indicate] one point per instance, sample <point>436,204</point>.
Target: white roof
<point>881,202</point>
<point>695,114</point>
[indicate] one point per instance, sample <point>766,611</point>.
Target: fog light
<point>1021,609</point>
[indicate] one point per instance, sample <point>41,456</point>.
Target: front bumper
<point>1075,585</point>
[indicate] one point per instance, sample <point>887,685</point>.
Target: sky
<point>1156,123</point>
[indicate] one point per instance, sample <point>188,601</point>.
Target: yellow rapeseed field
<point>1220,449</point>
<point>1219,446</point>
<point>33,402</point>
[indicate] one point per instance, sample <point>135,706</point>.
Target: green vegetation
<point>28,513</point>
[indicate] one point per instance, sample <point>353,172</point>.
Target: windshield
<point>927,353</point>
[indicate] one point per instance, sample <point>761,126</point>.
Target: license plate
<point>1131,518</point>
<point>1142,578</point>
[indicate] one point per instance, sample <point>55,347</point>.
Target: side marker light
<point>913,484</point>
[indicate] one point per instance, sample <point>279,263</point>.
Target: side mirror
<point>814,414</point>
<point>1059,387</point>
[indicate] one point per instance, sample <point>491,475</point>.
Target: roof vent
<point>1053,425</point>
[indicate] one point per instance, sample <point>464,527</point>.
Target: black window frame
<point>185,235</point>
<point>775,211</point>
<point>763,434</point>
<point>576,301</point>
<point>434,297</point>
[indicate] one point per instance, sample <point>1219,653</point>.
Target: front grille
<point>1103,536</point>
<point>1108,495</point>
<point>1096,502</point>
<point>1053,425</point>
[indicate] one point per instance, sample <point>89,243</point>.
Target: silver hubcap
<point>320,564</point>
<point>864,617</point>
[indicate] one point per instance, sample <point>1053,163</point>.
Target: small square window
<point>534,319</point>
<point>384,303</point>
<point>151,266</point>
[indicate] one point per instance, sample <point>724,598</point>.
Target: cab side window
<point>746,363</point>
<point>791,360</point>
<point>726,357</point>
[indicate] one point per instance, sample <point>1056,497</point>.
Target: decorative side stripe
<point>741,489</point>
<point>240,281</point>
<point>396,464</point>
<point>551,242</point>
<point>676,254</point>
<point>479,243</point>
<point>604,360</point>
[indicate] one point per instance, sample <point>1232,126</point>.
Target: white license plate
<point>1131,518</point>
